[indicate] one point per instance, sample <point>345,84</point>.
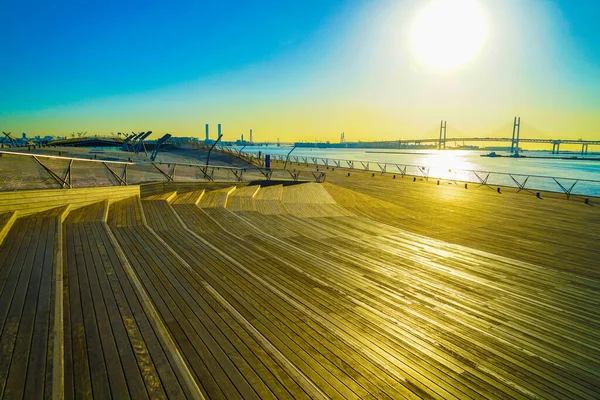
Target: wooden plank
<point>216,198</point>
<point>32,201</point>
<point>40,345</point>
<point>168,196</point>
<point>23,315</point>
<point>189,197</point>
<point>278,336</point>
<point>165,306</point>
<point>160,349</point>
<point>199,257</point>
<point>7,220</point>
<point>91,329</point>
<point>13,293</point>
<point>26,358</point>
<point>312,193</point>
<point>353,255</point>
<point>210,337</point>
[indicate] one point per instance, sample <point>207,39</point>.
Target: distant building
<point>24,135</point>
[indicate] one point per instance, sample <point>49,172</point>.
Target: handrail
<point>64,179</point>
<point>480,177</point>
<point>65,158</point>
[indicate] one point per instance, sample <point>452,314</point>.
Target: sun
<point>448,33</point>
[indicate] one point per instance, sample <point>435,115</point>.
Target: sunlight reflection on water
<point>451,164</point>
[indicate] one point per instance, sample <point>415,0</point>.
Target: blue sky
<point>296,69</point>
<point>59,52</point>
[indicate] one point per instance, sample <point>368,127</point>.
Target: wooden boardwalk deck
<point>111,347</point>
<point>339,290</point>
<point>28,263</point>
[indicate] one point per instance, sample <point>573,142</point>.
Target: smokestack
<point>251,136</point>
<point>242,138</point>
<point>219,130</point>
<point>206,133</point>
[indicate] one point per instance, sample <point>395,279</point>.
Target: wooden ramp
<point>168,196</point>
<point>215,198</point>
<point>306,193</point>
<point>517,225</point>
<point>29,264</point>
<point>309,357</point>
<point>111,348</point>
<point>224,359</point>
<point>268,200</point>
<point>432,302</point>
<point>197,218</point>
<point>310,200</point>
<point>189,197</point>
<point>243,199</point>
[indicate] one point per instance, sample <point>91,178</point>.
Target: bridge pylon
<point>517,131</point>
<point>442,141</point>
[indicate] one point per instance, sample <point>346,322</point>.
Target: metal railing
<point>527,182</point>
<point>69,172</point>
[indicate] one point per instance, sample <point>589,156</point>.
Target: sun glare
<point>448,33</point>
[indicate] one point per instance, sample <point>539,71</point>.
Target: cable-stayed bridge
<point>514,140</point>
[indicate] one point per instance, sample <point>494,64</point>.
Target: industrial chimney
<point>206,140</point>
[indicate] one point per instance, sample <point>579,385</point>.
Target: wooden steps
<point>316,210</point>
<point>125,213</point>
<point>189,197</point>
<point>30,258</point>
<point>158,215</point>
<point>215,198</point>
<point>211,266</point>
<point>197,219</point>
<point>243,199</point>
<point>229,221</point>
<point>33,201</point>
<point>94,212</point>
<point>268,200</point>
<point>168,196</point>
<point>306,193</point>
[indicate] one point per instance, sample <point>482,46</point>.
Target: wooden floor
<point>111,347</point>
<point>363,288</point>
<point>27,269</point>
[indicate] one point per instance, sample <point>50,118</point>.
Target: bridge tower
<point>517,130</point>
<point>442,141</point>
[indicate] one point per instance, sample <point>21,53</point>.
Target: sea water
<point>465,165</point>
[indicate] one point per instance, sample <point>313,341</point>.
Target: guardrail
<point>527,182</point>
<point>97,172</point>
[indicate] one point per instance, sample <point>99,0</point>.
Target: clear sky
<point>302,70</point>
